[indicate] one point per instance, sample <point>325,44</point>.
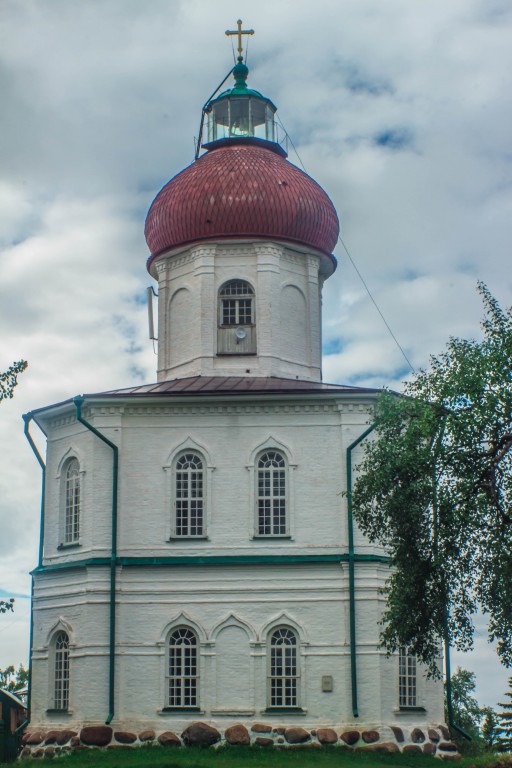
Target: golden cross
<point>240,32</point>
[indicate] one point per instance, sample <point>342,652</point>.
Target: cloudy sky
<point>400,110</point>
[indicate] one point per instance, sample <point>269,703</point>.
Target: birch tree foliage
<point>8,381</point>
<point>435,488</point>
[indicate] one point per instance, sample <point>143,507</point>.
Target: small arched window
<point>283,669</point>
<point>72,502</point>
<point>236,334</point>
<point>236,303</point>
<point>407,681</point>
<point>189,495</point>
<point>272,512</point>
<point>61,672</point>
<point>183,677</point>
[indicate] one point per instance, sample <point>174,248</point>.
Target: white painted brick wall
<point>288,329</point>
<point>314,432</point>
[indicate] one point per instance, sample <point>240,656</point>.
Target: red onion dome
<point>241,190</point>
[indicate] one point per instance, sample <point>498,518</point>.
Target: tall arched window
<point>183,677</point>
<point>61,672</point>
<point>407,683</point>
<point>72,502</point>
<point>189,495</point>
<point>272,514</point>
<point>283,670</point>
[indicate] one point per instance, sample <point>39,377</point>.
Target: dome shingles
<point>241,191</point>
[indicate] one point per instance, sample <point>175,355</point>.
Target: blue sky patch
<point>332,347</point>
<point>394,138</point>
<point>7,595</point>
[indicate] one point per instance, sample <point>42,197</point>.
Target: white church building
<point>199,563</point>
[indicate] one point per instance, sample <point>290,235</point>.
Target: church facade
<point>199,562</point>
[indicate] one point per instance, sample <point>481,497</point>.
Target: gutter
<point>27,417</point>
<point>79,401</point>
<point>351,568</point>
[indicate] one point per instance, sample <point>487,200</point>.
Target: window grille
<point>61,675</point>
<point>72,513</point>
<point>236,303</point>
<point>189,495</point>
<point>272,494</point>
<point>183,678</point>
<point>407,693</point>
<point>284,676</point>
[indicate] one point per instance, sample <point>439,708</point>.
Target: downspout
<point>79,401</point>
<point>351,568</point>
<point>27,417</point>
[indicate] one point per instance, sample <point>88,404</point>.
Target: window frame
<point>236,298</point>
<point>72,502</point>
<point>169,507</point>
<point>61,678</point>
<point>407,680</point>
<point>64,540</point>
<point>192,705</point>
<point>189,499</point>
<point>296,677</point>
<point>283,498</point>
<point>272,443</point>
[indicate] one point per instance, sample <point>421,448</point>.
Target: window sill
<point>188,538</point>
<point>285,710</point>
<point>273,536</point>
<point>179,710</point>
<point>405,710</point>
<point>69,545</point>
<point>233,712</point>
<point>65,712</point>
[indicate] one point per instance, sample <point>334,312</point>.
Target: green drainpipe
<point>27,417</point>
<point>79,401</point>
<point>351,568</point>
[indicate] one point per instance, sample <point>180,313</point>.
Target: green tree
<point>8,381</point>
<point>466,710</point>
<point>435,488</point>
<point>12,679</point>
<point>7,605</point>
<point>505,722</point>
<point>489,729</point>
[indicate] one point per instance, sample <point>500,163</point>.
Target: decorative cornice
<point>210,560</point>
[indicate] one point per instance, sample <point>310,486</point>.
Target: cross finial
<point>240,32</point>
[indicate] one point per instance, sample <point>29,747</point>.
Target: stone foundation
<point>434,740</point>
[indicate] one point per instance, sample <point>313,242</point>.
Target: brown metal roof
<point>233,385</point>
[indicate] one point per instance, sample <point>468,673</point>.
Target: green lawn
<point>253,757</point>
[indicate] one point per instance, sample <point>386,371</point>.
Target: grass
<point>253,757</point>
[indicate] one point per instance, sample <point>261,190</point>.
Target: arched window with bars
<point>183,673</point>
<point>283,676</point>
<point>272,513</point>
<point>189,495</point>
<point>72,502</point>
<point>407,679</point>
<point>237,323</point>
<point>61,671</point>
